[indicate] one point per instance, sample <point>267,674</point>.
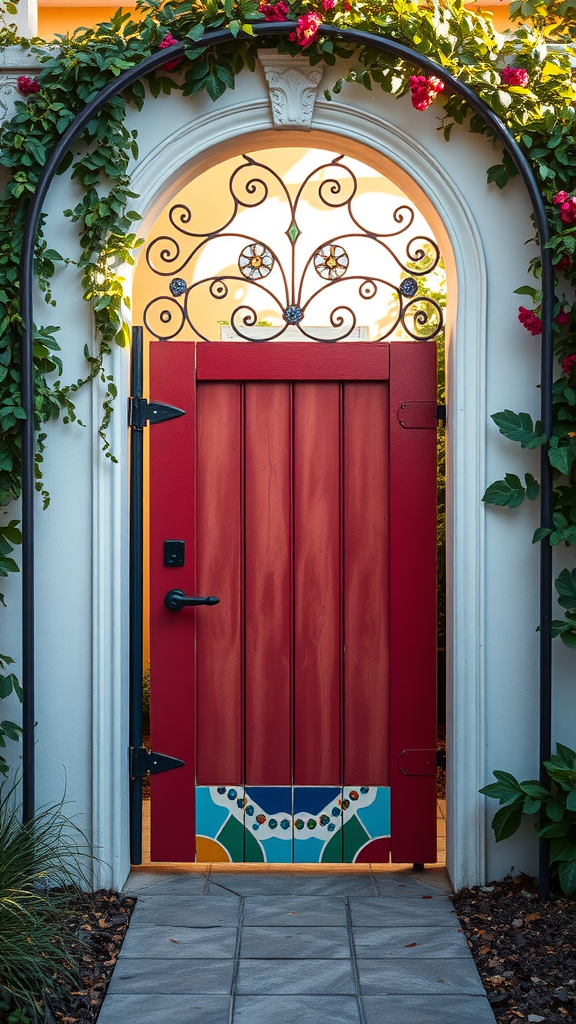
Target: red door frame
<point>411,368</point>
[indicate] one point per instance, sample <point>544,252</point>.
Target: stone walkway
<point>293,948</point>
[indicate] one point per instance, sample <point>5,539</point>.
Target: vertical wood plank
<point>317,585</point>
<point>366,584</point>
<point>268,593</point>
<point>172,696</point>
<point>219,654</point>
<point>413,602</point>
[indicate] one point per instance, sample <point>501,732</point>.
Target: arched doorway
<point>308,675</point>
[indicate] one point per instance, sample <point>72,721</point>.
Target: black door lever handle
<point>177,599</point>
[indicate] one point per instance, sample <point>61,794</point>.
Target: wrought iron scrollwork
<point>292,286</point>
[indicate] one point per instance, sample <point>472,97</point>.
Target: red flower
<point>563,318</point>
<point>424,90</point>
<point>560,197</point>
<point>307,29</point>
<point>166,42</point>
<point>563,264</point>
<point>569,364</point>
<point>530,321</point>
<point>26,86</point>
<point>347,6</point>
<point>275,12</point>
<point>328,5</point>
<point>515,76</point>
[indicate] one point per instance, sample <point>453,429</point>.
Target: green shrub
<point>40,871</point>
<point>555,810</point>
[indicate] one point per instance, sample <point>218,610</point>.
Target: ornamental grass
<point>41,871</point>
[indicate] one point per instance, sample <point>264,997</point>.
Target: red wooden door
<point>303,481</point>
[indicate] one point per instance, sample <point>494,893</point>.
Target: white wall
<point>82,538</point>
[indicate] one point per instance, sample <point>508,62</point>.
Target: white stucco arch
<point>484,233</point>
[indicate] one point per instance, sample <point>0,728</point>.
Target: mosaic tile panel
<point>366,824</point>
<point>300,824</point>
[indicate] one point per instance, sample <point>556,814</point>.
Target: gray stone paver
<point>390,912</point>
<point>296,1010</point>
<point>294,911</point>
<point>295,943</point>
<point>186,911</point>
<point>224,947</point>
<point>177,977</point>
<point>407,1009</point>
<point>418,977</point>
<point>163,942</point>
<point>411,942</point>
<point>295,977</point>
<point>161,1009</point>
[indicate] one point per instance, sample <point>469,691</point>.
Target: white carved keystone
<point>292,84</point>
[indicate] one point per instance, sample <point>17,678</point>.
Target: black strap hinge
<point>141,412</point>
<point>441,414</point>
<point>143,762</point>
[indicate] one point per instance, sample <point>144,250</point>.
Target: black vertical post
<point>546,575</point>
<point>28,493</point>
<point>136,592</point>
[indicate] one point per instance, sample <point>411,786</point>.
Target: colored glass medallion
<point>331,262</point>
<point>293,314</point>
<point>255,261</point>
<point>177,286</point>
<point>409,287</point>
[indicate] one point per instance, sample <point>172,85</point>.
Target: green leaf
<point>567,877</point>
<point>507,820</point>
<point>534,789</point>
<point>555,829</point>
<point>531,806</point>
<point>566,586</point>
<point>555,810</point>
<point>519,427</point>
<point>568,638</point>
<point>571,801</point>
<point>566,756</point>
<point>508,492</point>
<point>561,459</point>
<point>196,32</point>
<point>532,487</point>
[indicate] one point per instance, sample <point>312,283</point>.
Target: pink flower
<point>568,211</point>
<point>563,318</point>
<point>530,321</point>
<point>569,364</point>
<point>515,76</point>
<point>275,12</point>
<point>424,90</point>
<point>328,5</point>
<point>307,29</point>
<point>563,264</point>
<point>166,42</point>
<point>26,86</point>
<point>567,207</point>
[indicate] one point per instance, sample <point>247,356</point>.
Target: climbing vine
<point>528,83</point>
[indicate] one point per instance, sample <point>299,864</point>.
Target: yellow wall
<point>61,20</point>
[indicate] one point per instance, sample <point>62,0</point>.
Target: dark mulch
<point>524,950</point>
<point>99,920</point>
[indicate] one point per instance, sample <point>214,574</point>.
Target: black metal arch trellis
<point>270,32</point>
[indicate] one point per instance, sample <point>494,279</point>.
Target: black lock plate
<point>174,553</point>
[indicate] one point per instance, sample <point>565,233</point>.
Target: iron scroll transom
<point>295,280</point>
